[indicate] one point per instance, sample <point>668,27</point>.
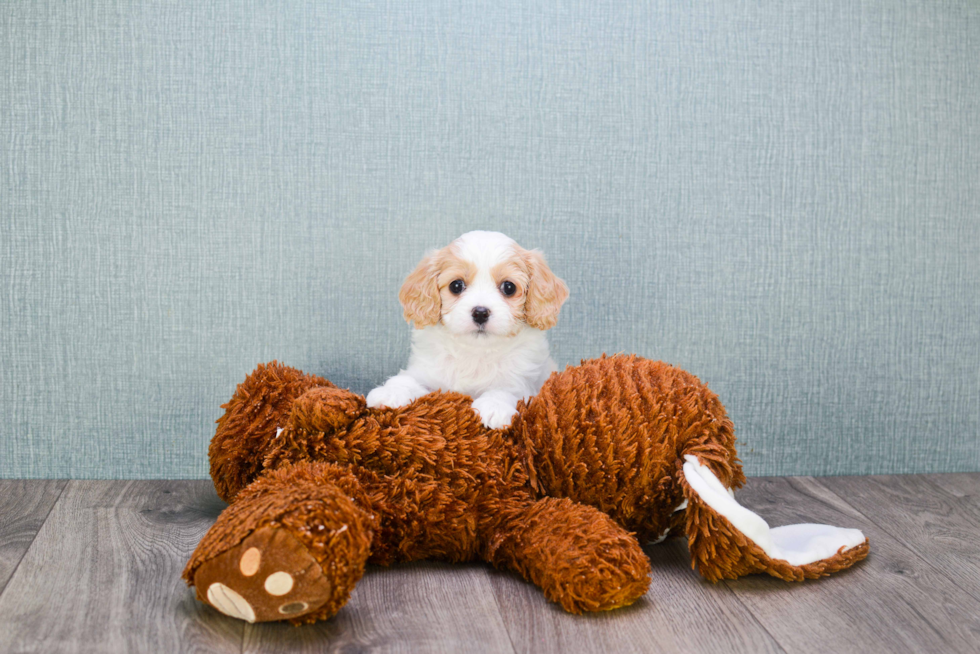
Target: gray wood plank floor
<point>93,566</point>
<point>24,506</point>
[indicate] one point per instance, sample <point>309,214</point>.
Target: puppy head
<point>483,284</point>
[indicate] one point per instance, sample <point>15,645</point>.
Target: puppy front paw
<point>396,392</point>
<point>383,396</point>
<point>493,412</point>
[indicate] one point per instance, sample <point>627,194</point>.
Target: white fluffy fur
<point>497,365</point>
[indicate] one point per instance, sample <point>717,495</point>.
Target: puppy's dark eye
<point>456,286</point>
<point>508,288</point>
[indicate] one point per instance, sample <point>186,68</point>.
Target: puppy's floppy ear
<point>545,292</point>
<point>420,293</point>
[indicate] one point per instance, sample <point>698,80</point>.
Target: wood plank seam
<point>898,538</point>
<point>500,612</point>
<point>34,537</point>
<point>901,542</point>
<point>755,618</point>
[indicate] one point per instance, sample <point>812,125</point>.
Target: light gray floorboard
<point>24,505</point>
<point>895,601</point>
<point>419,607</point>
<point>680,613</point>
<point>940,526</point>
<point>103,574</point>
<point>965,486</point>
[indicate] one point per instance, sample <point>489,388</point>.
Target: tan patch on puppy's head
<point>545,292</point>
<point>513,269</point>
<point>425,292</point>
<point>452,267</point>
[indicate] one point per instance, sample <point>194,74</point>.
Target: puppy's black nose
<point>481,315</point>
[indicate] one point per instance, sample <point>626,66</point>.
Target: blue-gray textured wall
<point>783,198</point>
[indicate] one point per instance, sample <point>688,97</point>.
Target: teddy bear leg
<point>728,541</point>
<point>579,556</point>
<point>290,548</point>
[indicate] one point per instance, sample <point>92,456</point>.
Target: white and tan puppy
<point>480,307</point>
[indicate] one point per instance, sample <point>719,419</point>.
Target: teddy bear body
<point>439,483</point>
<point>320,484</point>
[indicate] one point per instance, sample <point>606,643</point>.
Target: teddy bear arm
<point>580,557</point>
<point>260,405</point>
<point>314,419</point>
<point>324,409</point>
<point>291,547</point>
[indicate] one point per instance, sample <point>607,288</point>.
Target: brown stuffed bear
<point>609,452</point>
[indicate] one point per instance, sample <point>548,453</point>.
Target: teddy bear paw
<point>268,576</point>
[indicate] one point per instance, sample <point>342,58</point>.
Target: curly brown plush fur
<point>611,433</point>
<point>319,484</point>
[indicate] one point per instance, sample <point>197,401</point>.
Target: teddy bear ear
<point>326,409</point>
